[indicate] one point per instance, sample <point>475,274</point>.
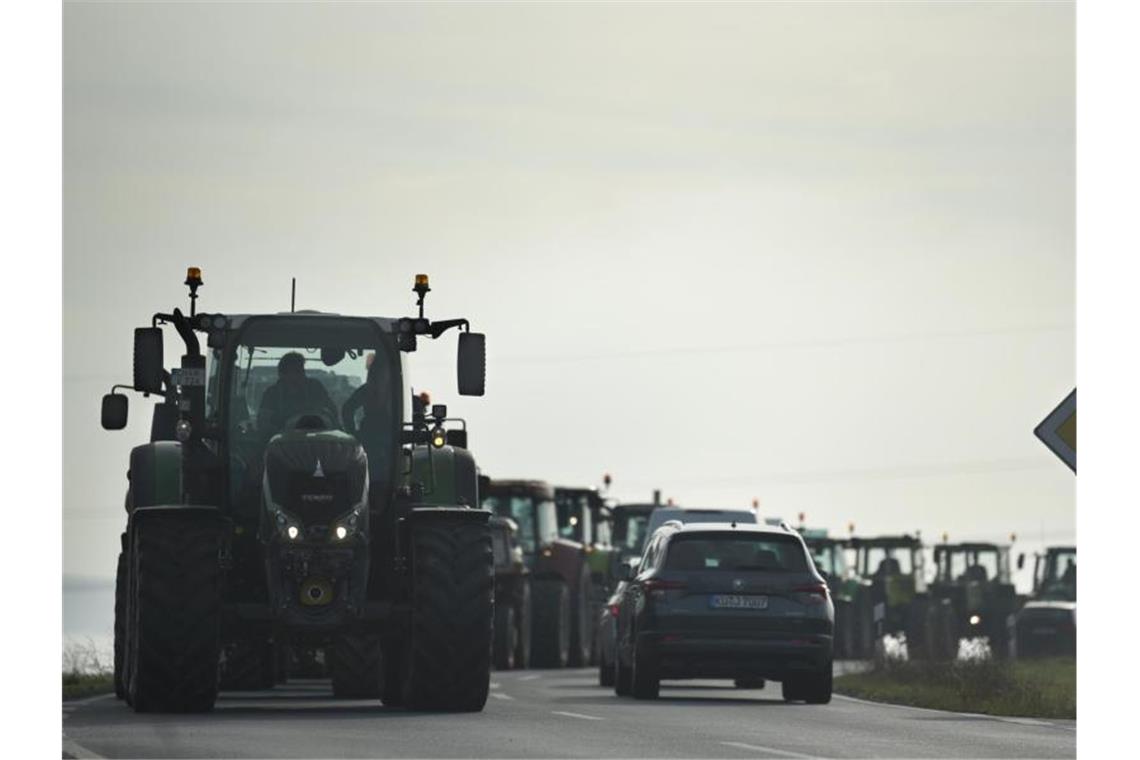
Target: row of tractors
<point>881,587</point>
<point>291,514</point>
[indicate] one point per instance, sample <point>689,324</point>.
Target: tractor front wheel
<point>453,586</point>
<point>174,613</point>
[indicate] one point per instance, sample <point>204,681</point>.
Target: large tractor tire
<point>248,665</point>
<point>917,631</point>
<point>581,628</point>
<point>174,613</point>
<point>453,587</point>
<point>506,635</point>
<point>120,625</point>
<point>845,639</point>
<point>550,630</point>
<point>354,663</point>
<point>392,658</point>
<point>522,619</point>
<point>864,621</point>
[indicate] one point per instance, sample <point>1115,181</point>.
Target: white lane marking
<point>579,716</point>
<point>1000,718</point>
<point>77,750</point>
<point>531,677</point>
<point>769,750</point>
<point>495,684</point>
<point>500,695</point>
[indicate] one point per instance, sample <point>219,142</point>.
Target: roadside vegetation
<point>1045,688</point>
<point>85,673</point>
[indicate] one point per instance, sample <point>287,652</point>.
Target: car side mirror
<point>472,363</point>
<point>1021,560</point>
<point>114,411</point>
<point>457,438</point>
<point>148,359</point>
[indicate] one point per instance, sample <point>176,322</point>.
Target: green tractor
<point>890,597</point>
<point>304,513</point>
<point>560,578</point>
<point>1047,624</point>
<point>830,557</point>
<point>585,517</point>
<point>971,596</point>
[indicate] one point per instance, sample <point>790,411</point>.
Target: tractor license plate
<point>738,602</point>
<point>1044,631</point>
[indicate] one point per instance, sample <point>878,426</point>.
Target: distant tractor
<point>630,529</point>
<point>511,648</point>
<point>559,574</point>
<point>1047,624</point>
<point>890,595</point>
<point>262,513</point>
<point>583,517</point>
<point>972,596</point>
<point>830,560</point>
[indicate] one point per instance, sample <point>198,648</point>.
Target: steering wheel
<point>312,420</point>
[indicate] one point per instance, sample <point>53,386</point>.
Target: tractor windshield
<point>629,531</point>
<point>1060,581</point>
<point>888,560</point>
<point>828,558</point>
<point>573,515</point>
<point>536,518</point>
<point>289,372</point>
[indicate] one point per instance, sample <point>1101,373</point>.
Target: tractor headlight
<point>438,437</point>
<point>287,527</point>
<point>975,619</point>
<point>182,430</point>
<point>346,526</point>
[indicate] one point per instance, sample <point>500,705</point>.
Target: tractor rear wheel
<point>174,613</point>
<point>392,671</point>
<point>550,632</point>
<point>506,636</point>
<point>354,664</point>
<point>449,650</point>
<point>522,621</point>
<point>580,620</point>
<point>120,624</point>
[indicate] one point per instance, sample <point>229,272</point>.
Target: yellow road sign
<point>1058,431</point>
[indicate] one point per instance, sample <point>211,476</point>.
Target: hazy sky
<point>819,254</point>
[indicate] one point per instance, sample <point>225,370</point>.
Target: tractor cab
<point>1055,574</point>
<point>889,572</point>
<point>972,583</point>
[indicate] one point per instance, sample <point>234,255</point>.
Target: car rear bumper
<point>681,655</point>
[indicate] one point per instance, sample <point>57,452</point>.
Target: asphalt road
<point>558,714</point>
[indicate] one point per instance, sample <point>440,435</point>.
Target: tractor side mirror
<point>114,411</point>
<point>148,359</point>
<point>1021,560</point>
<point>457,438</point>
<point>472,363</point>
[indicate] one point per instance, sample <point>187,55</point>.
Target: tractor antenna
<point>293,297</point>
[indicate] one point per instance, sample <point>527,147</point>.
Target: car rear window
<point>735,552</point>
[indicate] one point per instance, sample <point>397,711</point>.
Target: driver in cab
<point>292,395</point>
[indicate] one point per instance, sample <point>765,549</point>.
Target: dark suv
<point>734,601</point>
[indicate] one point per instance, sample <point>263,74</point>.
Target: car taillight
<point>813,593</point>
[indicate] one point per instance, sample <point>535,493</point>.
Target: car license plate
<point>738,602</point>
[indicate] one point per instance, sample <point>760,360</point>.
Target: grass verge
<point>1024,688</point>
<point>79,685</point>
